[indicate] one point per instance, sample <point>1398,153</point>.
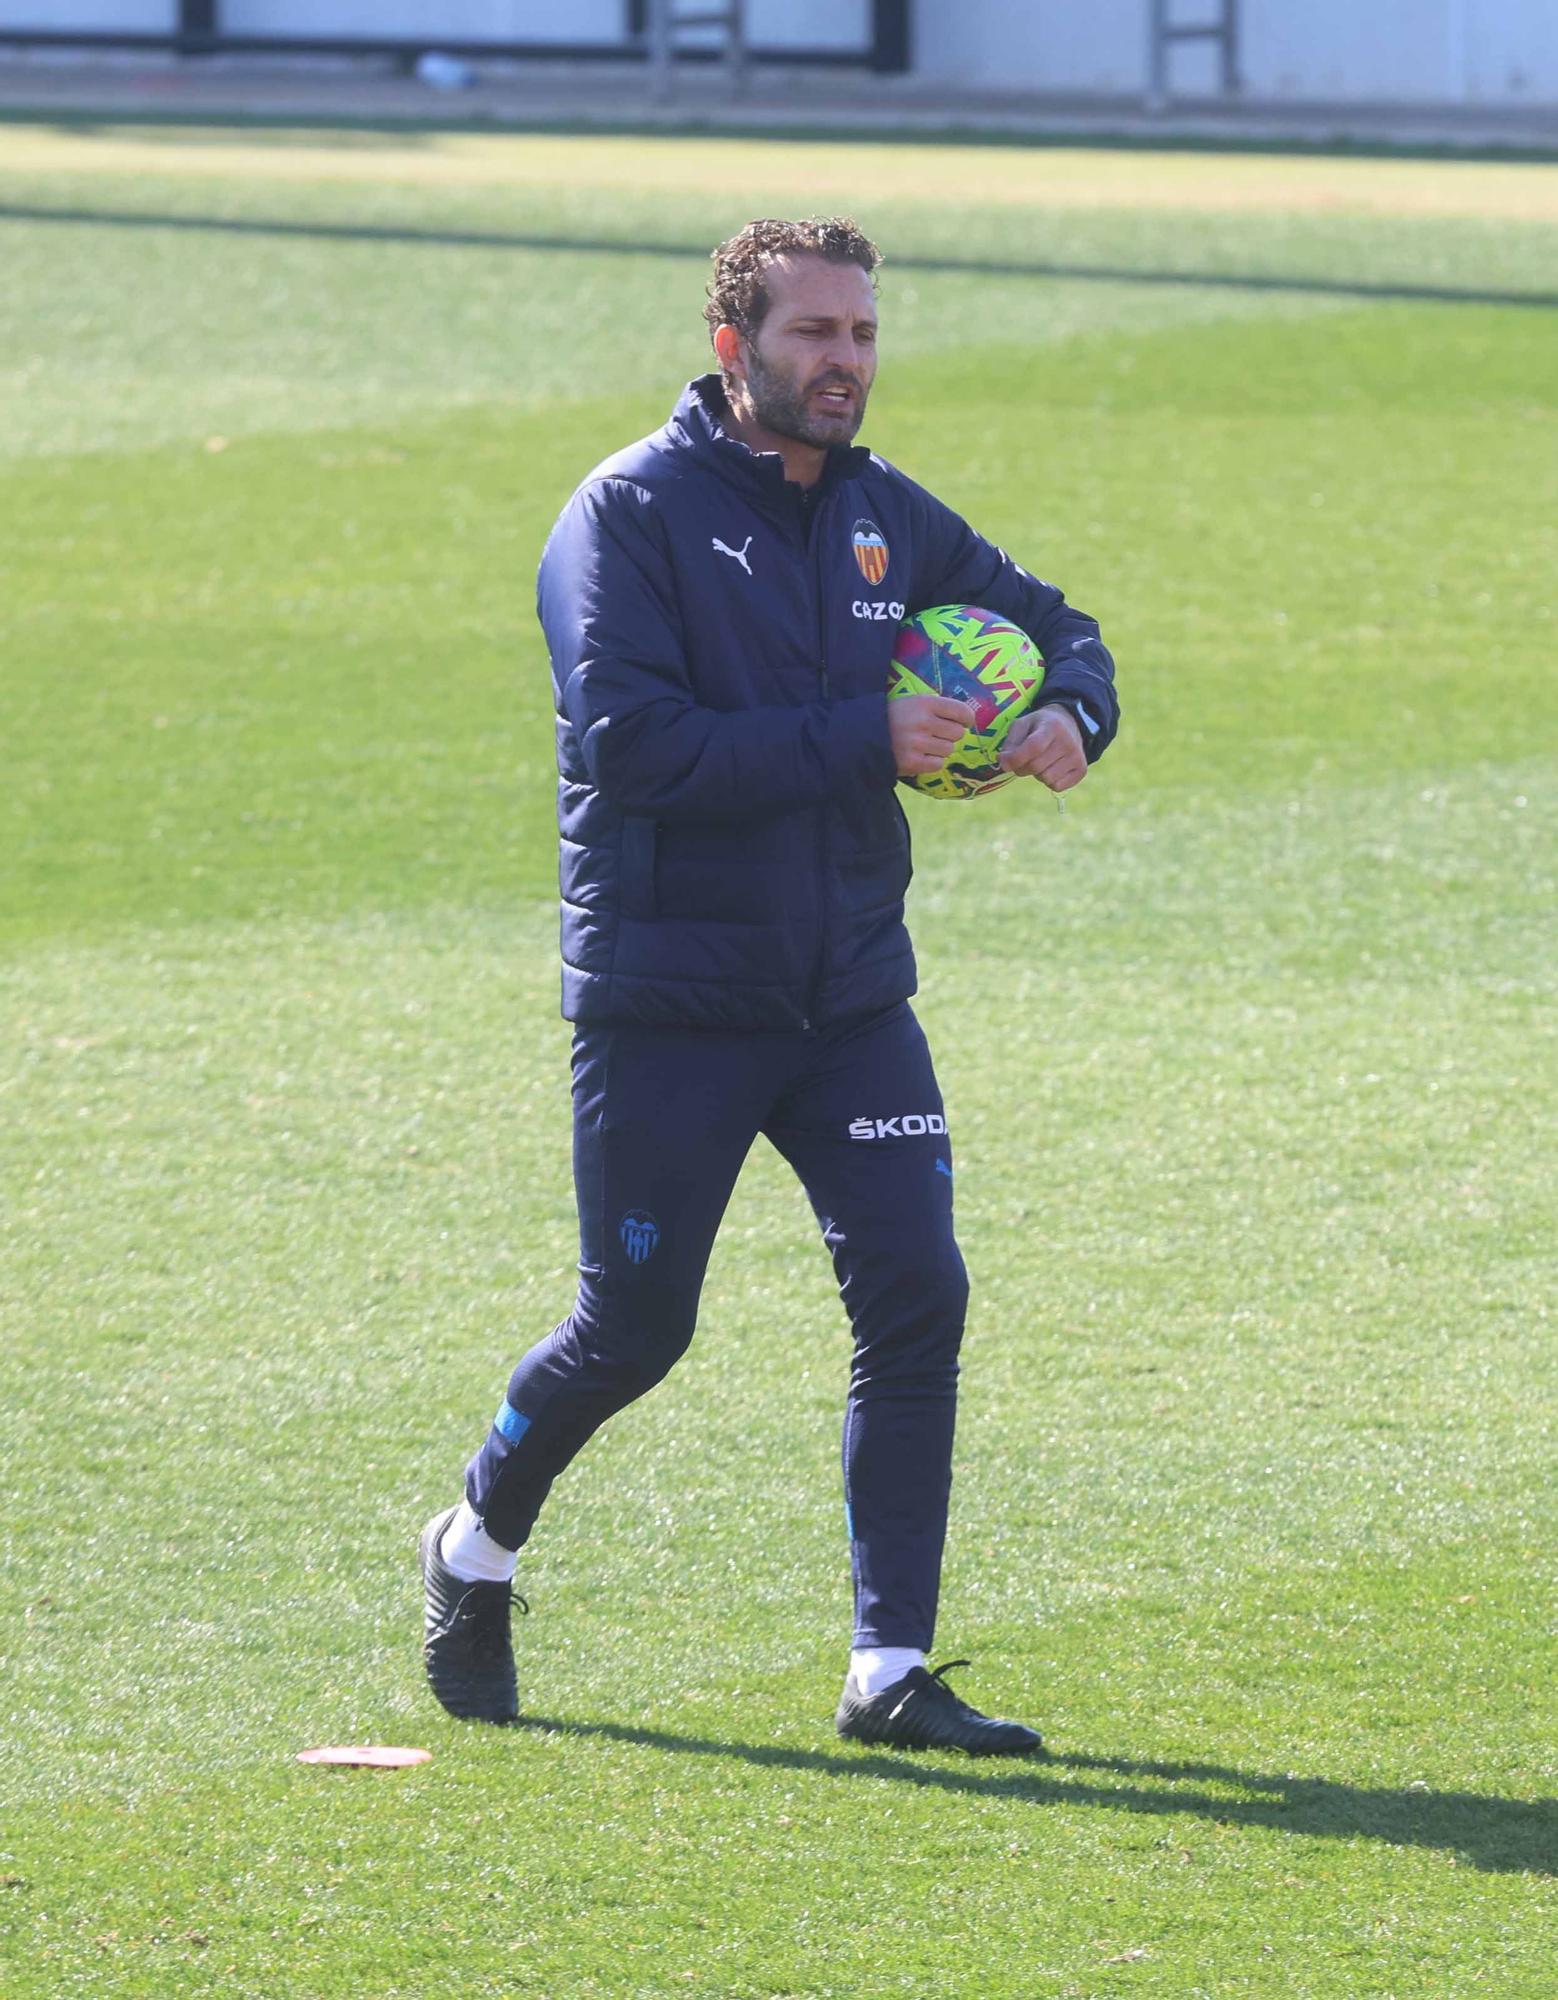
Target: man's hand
<point>1046,745</point>
<point>922,728</point>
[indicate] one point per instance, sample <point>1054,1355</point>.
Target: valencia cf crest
<point>640,1235</point>
<point>870,551</point>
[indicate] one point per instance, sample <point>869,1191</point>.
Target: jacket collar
<point>698,425</point>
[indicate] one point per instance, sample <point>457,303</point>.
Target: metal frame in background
<point>199,33</point>
<point>666,50</point>
<point>1163,31</point>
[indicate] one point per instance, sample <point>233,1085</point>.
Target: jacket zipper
<point>812,526</point>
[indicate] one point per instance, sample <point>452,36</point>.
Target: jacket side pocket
<point>637,851</point>
<point>908,842</point>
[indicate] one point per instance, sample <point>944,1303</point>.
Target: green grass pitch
<point>1249,1056</point>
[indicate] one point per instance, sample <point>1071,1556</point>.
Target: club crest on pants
<point>640,1235</point>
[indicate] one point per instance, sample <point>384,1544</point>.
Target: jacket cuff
<point>1091,703</point>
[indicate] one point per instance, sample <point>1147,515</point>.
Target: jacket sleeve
<point>953,565</point>
<point>608,606</point>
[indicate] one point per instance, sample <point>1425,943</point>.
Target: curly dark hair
<point>737,294</point>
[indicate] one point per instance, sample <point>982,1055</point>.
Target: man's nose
<point>845,352</point>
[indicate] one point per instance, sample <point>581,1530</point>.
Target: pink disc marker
<point>372,1756</point>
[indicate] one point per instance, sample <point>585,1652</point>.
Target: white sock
<point>877,1668</point>
<point>472,1554</point>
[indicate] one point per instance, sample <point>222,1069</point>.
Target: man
<point>720,602</point>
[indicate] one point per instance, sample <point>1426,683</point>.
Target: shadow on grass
<point>1499,1835</point>
<point>606,246</point>
<point>323,128</point>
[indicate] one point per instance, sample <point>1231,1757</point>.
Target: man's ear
<point>727,348</point>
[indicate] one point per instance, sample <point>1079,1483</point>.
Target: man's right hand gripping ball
<point>922,729</point>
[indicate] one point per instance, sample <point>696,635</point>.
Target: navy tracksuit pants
<point>663,1119</point>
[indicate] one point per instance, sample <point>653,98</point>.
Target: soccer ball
<point>974,656</point>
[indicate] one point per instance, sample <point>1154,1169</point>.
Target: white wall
<point>1512,51</point>
<point>822,24</point>
<point>810,24</point>
<point>1424,51</point>
<point>452,20</point>
<point>1339,49</point>
<point>825,24</point>
<point>844,25</point>
<point>122,17</point>
<point>1100,45</point>
<point>1412,51</point>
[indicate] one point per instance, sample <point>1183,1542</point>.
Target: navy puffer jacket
<point>733,852</point>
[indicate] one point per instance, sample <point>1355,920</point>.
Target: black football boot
<point>921,1712</point>
<point>465,1635</point>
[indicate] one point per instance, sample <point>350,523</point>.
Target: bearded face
<point>804,376</point>
<point>822,406</point>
